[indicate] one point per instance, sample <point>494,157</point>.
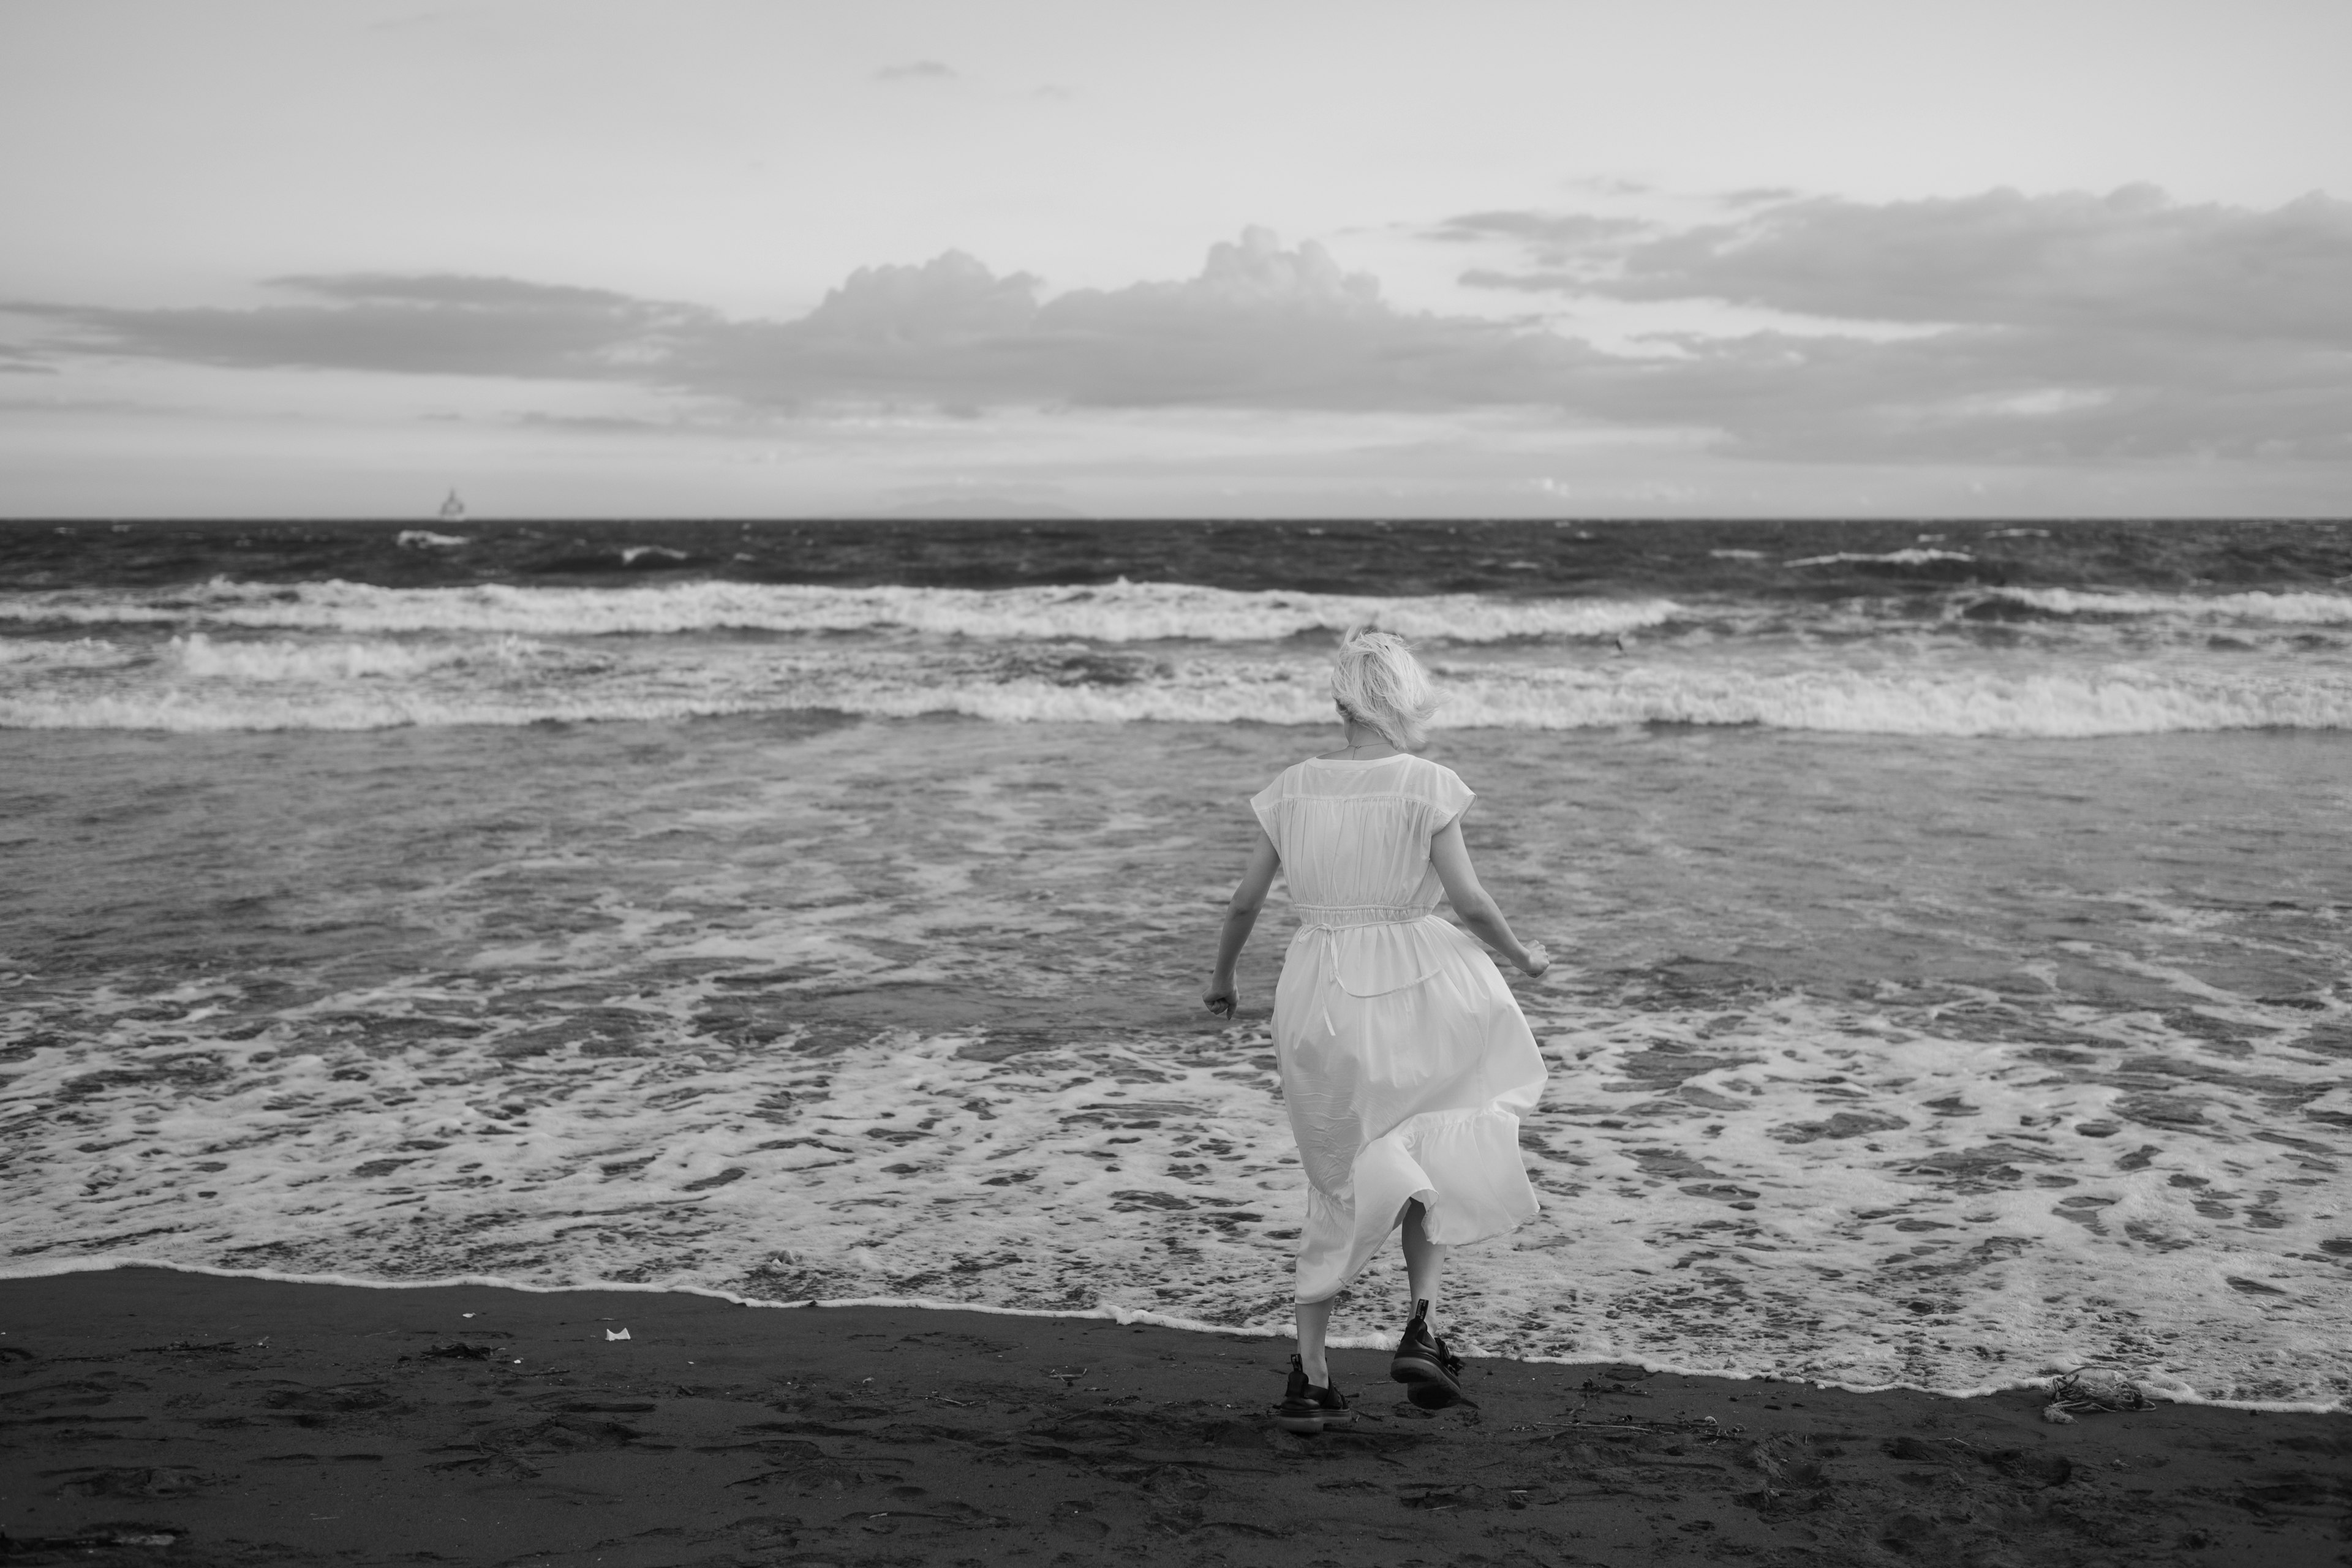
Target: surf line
<point>2166,1390</point>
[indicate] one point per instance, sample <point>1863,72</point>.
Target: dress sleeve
<point>1449,797</point>
<point>1267,804</point>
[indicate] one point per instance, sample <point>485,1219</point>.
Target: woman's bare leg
<point>1425,1261</point>
<point>1313,1327</point>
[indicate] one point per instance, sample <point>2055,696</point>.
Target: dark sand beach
<point>174,1418</point>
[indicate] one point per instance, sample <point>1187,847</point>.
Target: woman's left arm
<point>1475,905</point>
<point>1241,915</point>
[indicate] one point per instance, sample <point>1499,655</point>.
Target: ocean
<point>1951,920</point>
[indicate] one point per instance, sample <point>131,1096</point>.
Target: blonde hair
<point>1377,683</point>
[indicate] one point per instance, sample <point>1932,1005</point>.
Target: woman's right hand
<point>1535,960</point>
<point>1224,1000</point>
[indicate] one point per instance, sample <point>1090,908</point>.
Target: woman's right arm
<point>1241,915</point>
<point>1475,905</point>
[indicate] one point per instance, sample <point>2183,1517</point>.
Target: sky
<point>1112,258</point>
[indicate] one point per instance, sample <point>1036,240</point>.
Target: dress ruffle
<point>1463,1167</point>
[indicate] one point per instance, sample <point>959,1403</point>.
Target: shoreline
<point>239,1420</point>
<point>2167,1391</point>
<point>2164,1390</point>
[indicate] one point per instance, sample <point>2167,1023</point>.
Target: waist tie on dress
<point>1329,920</point>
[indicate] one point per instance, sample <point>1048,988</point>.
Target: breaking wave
<point>2293,609</point>
<point>24,653</point>
<point>229,654</point>
<point>209,685</point>
<point>199,655</point>
<point>1119,612</point>
<point>1889,558</point>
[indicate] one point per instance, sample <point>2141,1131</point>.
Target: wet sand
<point>151,1416</point>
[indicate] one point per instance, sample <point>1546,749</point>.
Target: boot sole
<point>1427,1384</point>
<point>1316,1425</point>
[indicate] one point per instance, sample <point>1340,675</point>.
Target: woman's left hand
<point>1536,961</point>
<point>1224,1001</point>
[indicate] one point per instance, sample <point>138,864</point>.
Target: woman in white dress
<point>1406,1063</point>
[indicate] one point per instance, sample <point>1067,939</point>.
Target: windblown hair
<point>1376,681</point>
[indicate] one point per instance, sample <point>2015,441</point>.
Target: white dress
<point>1406,1063</point>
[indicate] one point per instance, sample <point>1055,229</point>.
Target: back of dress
<point>1405,1061</point>
<point>1355,835</point>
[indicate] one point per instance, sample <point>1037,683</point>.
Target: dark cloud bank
<point>2038,328</point>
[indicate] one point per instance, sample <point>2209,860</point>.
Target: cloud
<point>2131,260</point>
<point>2046,330</point>
<point>916,70</point>
<point>1551,235</point>
<point>595,424</point>
<point>1260,326</point>
<point>951,299</point>
<point>2066,325</point>
<point>434,324</point>
<point>1560,280</point>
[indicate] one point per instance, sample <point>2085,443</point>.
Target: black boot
<point>1432,1373</point>
<point>1310,1411</point>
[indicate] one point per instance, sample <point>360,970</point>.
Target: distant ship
<point>453,509</point>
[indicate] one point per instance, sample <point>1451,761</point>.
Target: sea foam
<point>1115,613</point>
<point>1958,1084</point>
<point>24,655</point>
<point>2293,609</point>
<point>205,682</point>
<point>1819,1194</point>
<point>1886,558</point>
<point>197,654</point>
<point>341,656</point>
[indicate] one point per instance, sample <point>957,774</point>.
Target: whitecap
<point>2286,608</point>
<point>28,653</point>
<point>1117,612</point>
<point>1891,558</point>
